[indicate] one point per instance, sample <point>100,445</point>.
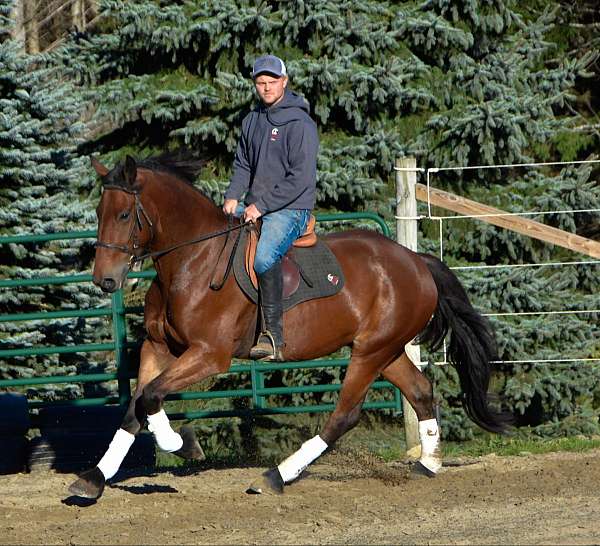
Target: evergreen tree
<point>44,188</point>
<point>454,83</point>
<point>515,109</point>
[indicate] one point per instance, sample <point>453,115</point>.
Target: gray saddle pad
<point>320,273</point>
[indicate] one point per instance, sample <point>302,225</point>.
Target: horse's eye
<point>124,215</point>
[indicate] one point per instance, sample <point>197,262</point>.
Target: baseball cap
<point>271,64</point>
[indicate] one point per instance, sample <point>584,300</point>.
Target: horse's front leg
<point>155,357</point>
<point>184,444</point>
<point>195,364</point>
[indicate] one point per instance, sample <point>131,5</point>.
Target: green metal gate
<point>118,312</point>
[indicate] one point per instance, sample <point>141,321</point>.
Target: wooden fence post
<point>406,234</point>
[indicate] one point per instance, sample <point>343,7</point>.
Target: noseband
<point>133,243</point>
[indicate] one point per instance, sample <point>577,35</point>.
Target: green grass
<point>387,441</point>
<point>520,445</point>
<point>502,446</point>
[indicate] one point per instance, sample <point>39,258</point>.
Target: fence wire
<point>442,219</point>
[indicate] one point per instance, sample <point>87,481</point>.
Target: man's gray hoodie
<point>276,157</point>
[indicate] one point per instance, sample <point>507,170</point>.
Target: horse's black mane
<point>182,164</point>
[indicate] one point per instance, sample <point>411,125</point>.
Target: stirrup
<point>266,349</point>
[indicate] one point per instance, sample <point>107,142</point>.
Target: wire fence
<point>444,222</point>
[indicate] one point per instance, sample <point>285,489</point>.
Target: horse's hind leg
<point>155,357</point>
<point>418,391</point>
<point>415,387</point>
<point>361,373</point>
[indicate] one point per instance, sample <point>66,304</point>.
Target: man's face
<point>270,89</point>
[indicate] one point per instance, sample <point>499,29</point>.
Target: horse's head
<point>124,227</point>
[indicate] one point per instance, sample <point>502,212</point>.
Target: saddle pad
<point>317,264</point>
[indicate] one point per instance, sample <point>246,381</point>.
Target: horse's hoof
<point>271,481</point>
<point>419,470</point>
<point>191,449</point>
<point>90,484</point>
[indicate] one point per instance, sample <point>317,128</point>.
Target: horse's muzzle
<point>106,284</point>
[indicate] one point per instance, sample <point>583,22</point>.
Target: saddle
<point>289,267</point>
<point>310,269</point>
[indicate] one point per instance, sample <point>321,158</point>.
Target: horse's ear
<point>130,171</point>
<point>99,168</point>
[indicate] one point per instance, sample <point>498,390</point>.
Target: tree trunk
<point>17,15</point>
<point>78,15</point>
<point>91,11</point>
<point>31,28</point>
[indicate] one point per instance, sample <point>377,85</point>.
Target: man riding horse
<point>275,166</point>
<point>148,208</point>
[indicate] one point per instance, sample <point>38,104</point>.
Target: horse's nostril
<point>108,285</point>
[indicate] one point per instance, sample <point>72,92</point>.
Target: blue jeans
<point>279,230</point>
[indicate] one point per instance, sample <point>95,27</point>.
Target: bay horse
<point>390,296</point>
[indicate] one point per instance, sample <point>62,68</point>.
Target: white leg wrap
<point>118,448</point>
<point>166,438</point>
<point>429,435</point>
<point>293,466</point>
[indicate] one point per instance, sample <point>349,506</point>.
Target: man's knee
<point>262,263</point>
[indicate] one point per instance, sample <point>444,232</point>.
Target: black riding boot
<point>270,342</point>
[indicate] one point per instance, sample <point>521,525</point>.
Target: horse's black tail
<point>472,347</point>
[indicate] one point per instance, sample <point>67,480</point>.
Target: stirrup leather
<point>265,349</point>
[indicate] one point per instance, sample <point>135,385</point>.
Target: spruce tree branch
<point>584,25</point>
<point>592,45</point>
<point>588,127</point>
<point>591,127</point>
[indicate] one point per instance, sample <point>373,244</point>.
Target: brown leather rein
<point>140,213</point>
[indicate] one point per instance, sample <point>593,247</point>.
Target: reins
<point>140,213</point>
<point>219,285</point>
<point>159,253</point>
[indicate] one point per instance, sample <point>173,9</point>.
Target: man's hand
<point>229,206</point>
<point>251,213</point>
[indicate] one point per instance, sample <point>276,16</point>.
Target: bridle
<point>133,243</point>
<point>133,238</point>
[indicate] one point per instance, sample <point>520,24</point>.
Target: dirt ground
<point>346,499</point>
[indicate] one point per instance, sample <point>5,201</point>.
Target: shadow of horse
<point>146,489</point>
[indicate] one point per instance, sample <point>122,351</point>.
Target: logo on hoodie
<point>274,134</point>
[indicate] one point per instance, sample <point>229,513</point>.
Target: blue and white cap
<point>269,64</point>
